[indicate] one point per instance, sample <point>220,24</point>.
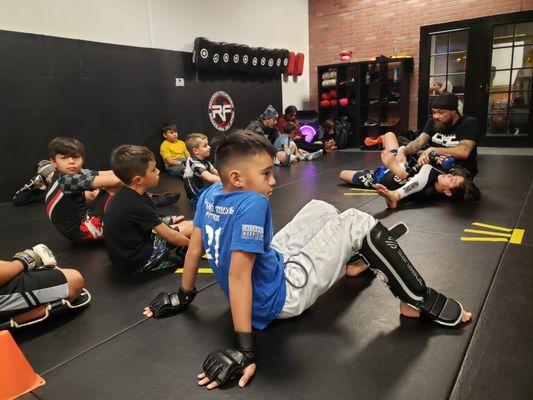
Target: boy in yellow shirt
<point>173,151</point>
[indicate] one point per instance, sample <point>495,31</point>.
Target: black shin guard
<point>382,253</point>
<point>384,256</point>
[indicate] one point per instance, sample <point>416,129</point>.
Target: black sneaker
<point>164,199</point>
<point>32,192</point>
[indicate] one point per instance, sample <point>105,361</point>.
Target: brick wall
<point>368,27</point>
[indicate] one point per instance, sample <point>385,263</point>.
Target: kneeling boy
<point>267,277</point>
<point>137,239</point>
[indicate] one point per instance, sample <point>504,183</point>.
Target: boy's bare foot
<point>391,197</point>
<point>356,268</point>
<point>407,311</point>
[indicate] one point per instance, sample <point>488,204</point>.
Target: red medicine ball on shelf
<point>343,102</point>
<point>324,103</point>
<point>324,96</point>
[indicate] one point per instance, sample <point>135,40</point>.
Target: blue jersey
<point>241,221</point>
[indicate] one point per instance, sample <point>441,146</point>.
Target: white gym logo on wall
<point>221,111</point>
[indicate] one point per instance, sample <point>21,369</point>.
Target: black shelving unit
<point>377,92</point>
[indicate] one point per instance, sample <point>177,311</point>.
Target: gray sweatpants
<point>320,240</point>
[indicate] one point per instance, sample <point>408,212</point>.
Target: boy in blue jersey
<point>267,277</point>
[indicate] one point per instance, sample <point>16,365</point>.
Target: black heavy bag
<point>253,66</point>
<point>278,67</point>
<point>262,56</point>
<point>284,60</point>
<point>245,59</point>
<point>225,57</point>
<point>202,53</point>
<point>216,57</point>
<point>271,62</point>
<point>235,57</point>
<point>343,132</point>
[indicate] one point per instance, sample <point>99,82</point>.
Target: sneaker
<point>164,199</point>
<point>313,156</point>
<point>371,122</point>
<point>373,141</point>
<point>32,192</point>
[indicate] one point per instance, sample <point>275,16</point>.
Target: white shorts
<point>316,245</point>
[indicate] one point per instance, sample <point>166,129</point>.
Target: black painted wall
<point>105,95</point>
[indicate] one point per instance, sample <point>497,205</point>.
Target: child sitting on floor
<point>173,151</point>
<point>198,170</point>
<point>137,239</point>
<point>267,277</point>
<point>77,198</point>
<point>31,281</point>
<point>286,144</point>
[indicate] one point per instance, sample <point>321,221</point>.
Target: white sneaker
<point>314,156</point>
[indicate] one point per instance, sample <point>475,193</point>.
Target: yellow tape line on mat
<point>496,228</point>
<point>200,271</point>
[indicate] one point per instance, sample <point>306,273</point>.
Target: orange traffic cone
<point>16,374</point>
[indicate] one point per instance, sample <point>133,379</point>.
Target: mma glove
<point>38,257</point>
<point>226,366</point>
<point>44,169</point>
<point>169,303</point>
<point>167,220</point>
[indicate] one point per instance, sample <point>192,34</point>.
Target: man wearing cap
<point>448,133</point>
<point>265,125</point>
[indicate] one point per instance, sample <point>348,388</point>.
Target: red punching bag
<point>299,64</point>
<point>291,66</point>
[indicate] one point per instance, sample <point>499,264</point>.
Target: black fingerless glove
<point>169,303</point>
<point>226,366</point>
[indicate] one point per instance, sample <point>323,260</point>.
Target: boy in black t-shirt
<point>448,133</point>
<point>77,197</point>
<point>198,171</point>
<point>137,239</point>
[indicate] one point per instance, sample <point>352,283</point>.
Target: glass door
<point>511,76</point>
<point>447,65</point>
<point>488,63</point>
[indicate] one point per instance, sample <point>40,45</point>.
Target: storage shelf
<point>361,92</point>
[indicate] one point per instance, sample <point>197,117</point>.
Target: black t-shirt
<point>466,128</point>
<point>65,201</point>
<point>128,223</point>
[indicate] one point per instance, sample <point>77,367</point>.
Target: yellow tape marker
<point>482,239</point>
<point>200,271</point>
<point>363,190</point>
<point>497,228</point>
<point>360,194</point>
<point>517,236</point>
<point>489,233</point>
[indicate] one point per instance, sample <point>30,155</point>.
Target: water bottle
<point>395,75</point>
